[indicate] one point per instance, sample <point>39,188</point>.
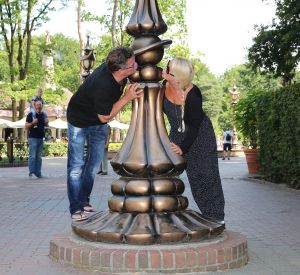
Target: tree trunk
<point>116,131</point>
<point>21,115</point>
<point>113,23</point>
<point>79,6</point>
<point>14,115</point>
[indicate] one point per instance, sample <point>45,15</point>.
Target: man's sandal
<point>88,209</point>
<point>78,216</point>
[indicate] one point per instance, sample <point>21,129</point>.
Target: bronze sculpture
<point>147,205</point>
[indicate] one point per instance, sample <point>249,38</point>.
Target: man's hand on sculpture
<point>133,91</point>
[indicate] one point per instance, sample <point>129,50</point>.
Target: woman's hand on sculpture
<point>176,149</point>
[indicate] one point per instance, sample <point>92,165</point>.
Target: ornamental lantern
<point>234,95</point>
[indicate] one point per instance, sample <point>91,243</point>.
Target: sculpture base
<point>226,251</point>
<point>147,228</point>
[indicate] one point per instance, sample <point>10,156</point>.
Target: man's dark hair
<point>117,58</point>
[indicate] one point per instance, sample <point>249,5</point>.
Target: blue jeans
<point>35,156</point>
<point>83,167</point>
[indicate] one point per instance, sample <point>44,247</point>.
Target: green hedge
<point>114,146</point>
<point>57,149</point>
<point>279,135</point>
<point>60,149</point>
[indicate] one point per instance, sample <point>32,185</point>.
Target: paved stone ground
<point>33,211</point>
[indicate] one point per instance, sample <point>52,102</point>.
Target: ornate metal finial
<point>146,19</point>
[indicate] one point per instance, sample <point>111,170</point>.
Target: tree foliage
<point>211,90</point>
<point>249,83</point>
<point>174,17</point>
<point>114,21</point>
<point>279,130</point>
<point>18,19</point>
<point>66,59</point>
<point>276,48</point>
<point>247,80</point>
<point>66,54</point>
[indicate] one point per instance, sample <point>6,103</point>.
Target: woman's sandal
<point>88,209</point>
<point>78,216</point>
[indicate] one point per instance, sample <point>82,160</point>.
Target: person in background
<point>35,124</point>
<point>103,165</point>
<point>94,104</point>
<point>227,144</point>
<point>38,97</point>
<point>193,137</point>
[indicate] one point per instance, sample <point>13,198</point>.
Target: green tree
<point>66,59</point>
<point>249,83</point>
<point>119,12</point>
<point>18,19</point>
<point>66,56</point>
<point>276,47</point>
<point>211,90</point>
<point>4,69</point>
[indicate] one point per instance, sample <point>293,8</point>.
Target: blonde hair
<point>183,69</point>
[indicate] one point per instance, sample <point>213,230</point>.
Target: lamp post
<point>234,97</point>
<point>87,61</point>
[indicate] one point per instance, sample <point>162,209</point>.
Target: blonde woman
<point>193,137</point>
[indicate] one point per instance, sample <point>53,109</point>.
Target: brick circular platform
<point>226,251</point>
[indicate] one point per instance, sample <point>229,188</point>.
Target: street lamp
<point>88,59</point>
<point>234,97</point>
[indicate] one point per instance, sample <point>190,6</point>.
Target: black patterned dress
<point>200,151</point>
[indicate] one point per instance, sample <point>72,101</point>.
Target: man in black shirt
<point>35,124</point>
<point>94,104</point>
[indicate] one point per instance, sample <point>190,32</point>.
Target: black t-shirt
<point>39,131</point>
<point>96,95</point>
